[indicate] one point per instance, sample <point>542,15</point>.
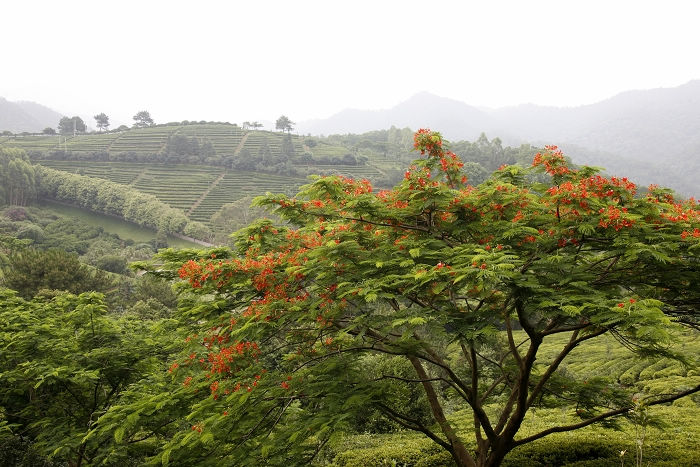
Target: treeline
<point>117,200</point>
<point>480,157</point>
<point>17,178</point>
<point>393,143</point>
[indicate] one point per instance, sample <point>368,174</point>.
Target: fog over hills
<point>651,135</point>
<point>26,116</point>
<point>653,125</point>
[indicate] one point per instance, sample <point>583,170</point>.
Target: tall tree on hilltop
<point>72,125</point>
<point>102,121</point>
<point>284,124</point>
<point>142,119</point>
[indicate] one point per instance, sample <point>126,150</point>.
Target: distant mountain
<point>653,125</point>
<point>653,135</point>
<point>424,110</point>
<point>26,116</point>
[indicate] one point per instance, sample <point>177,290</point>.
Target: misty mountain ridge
<point>650,135</point>
<point>422,110</point>
<point>26,116</point>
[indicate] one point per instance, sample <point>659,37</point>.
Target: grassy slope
<point>125,230</point>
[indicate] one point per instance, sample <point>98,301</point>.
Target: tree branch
<point>572,344</point>
<point>412,424</point>
<point>590,421</point>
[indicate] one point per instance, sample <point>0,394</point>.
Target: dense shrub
<point>31,232</point>
<point>112,263</point>
<point>16,213</point>
<point>30,270</point>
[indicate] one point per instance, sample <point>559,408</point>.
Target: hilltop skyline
<point>256,61</point>
<point>312,125</point>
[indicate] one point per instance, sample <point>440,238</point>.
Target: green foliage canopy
<point>65,361</point>
<point>28,271</point>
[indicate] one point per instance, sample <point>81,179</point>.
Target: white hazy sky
<point>255,60</point>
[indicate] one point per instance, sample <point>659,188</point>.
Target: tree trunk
<point>459,452</point>
<point>494,456</point>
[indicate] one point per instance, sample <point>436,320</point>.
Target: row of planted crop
<point>182,186</point>
<point>225,140</point>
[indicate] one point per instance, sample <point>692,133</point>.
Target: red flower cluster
<point>221,362</point>
<point>428,141</point>
<point>197,273</point>
<point>354,187</point>
<point>695,233</point>
<point>593,187</point>
<point>552,160</point>
<point>614,217</point>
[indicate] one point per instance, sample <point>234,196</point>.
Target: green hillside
<point>197,168</point>
<point>199,191</point>
<point>151,142</point>
<point>216,144</point>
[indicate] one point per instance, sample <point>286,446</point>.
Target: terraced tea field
<point>236,185</point>
<point>90,143</point>
<point>142,140</point>
<point>178,186</point>
<point>226,139</point>
<point>118,172</point>
<point>199,191</point>
<point>323,149</point>
<point>148,145</point>
<point>135,157</point>
<point>255,141</point>
<point>36,142</point>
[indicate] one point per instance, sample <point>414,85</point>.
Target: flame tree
<point>462,283</point>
